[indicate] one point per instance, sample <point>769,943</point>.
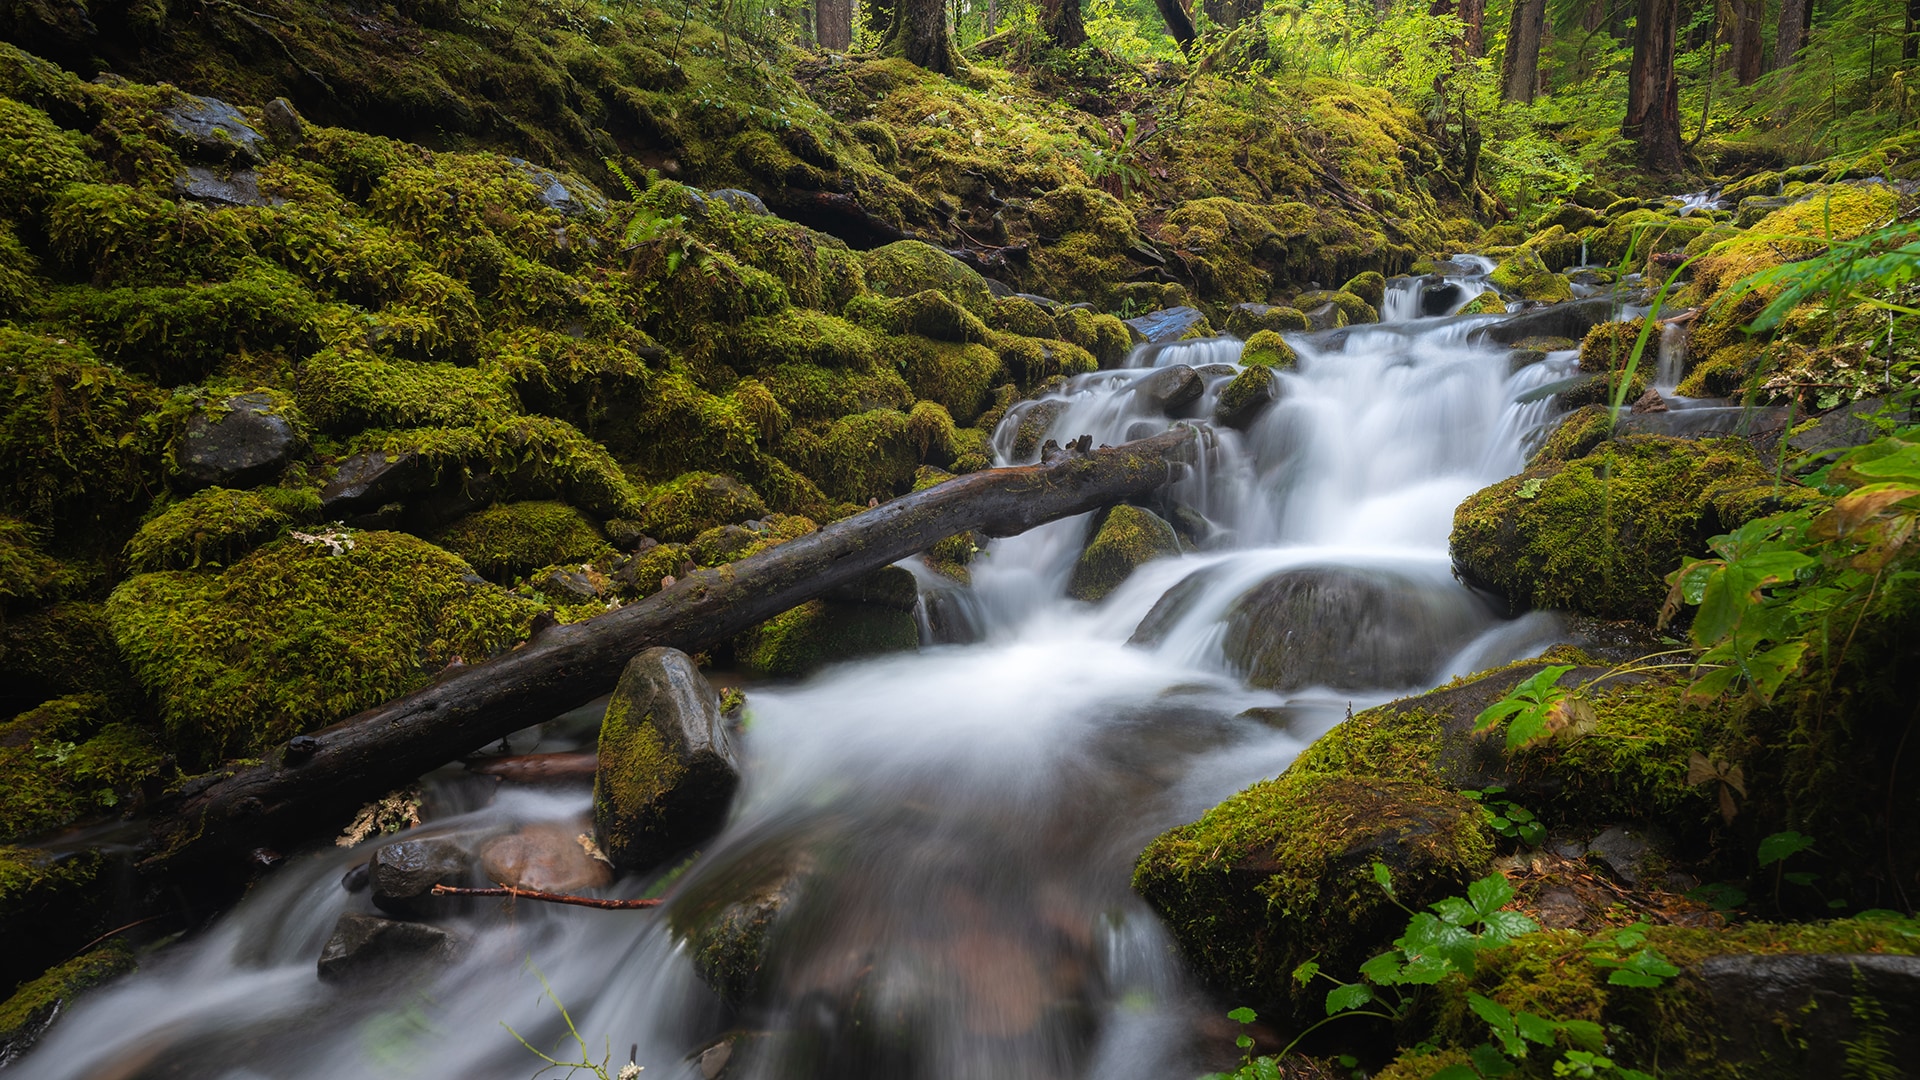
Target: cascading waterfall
<point>953,829</point>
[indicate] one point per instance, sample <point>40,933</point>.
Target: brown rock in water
<point>1650,402</point>
<point>544,857</point>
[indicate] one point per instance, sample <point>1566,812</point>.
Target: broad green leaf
<point>1537,684</point>
<point>1383,969</point>
<point>1456,911</point>
<point>1490,894</point>
<point>1535,1029</point>
<point>1347,996</point>
<point>1489,1061</point>
<point>1244,1015</point>
<point>1782,845</point>
<point>1265,1068</point>
<point>1585,1033</point>
<point>1496,712</point>
<point>1497,1016</point>
<point>1526,727</point>
<point>1383,877</point>
<point>1772,667</point>
<point>1456,1072</point>
<point>1510,924</point>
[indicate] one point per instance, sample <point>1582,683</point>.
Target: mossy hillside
<point>299,634</point>
<point>821,632</point>
<point>1842,211</point>
<point>70,758</point>
<point>532,456</point>
<point>214,526</point>
<point>796,336</point>
<point>1599,534</point>
<point>692,503</point>
<point>908,267</point>
<point>1282,873</point>
<point>509,539</point>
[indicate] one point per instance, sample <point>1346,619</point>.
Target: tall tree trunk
<point>1520,67</point>
<point>1061,20</point>
<point>993,17</point>
<point>1473,13</point>
<point>1910,45</point>
<point>834,19</point>
<point>878,15</point>
<point>919,33</point>
<point>1179,23</point>
<point>1653,93</point>
<point>1748,58</point>
<point>1791,33</point>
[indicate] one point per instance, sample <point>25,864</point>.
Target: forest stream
<point>958,826</point>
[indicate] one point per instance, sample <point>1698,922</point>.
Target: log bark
<point>324,776</point>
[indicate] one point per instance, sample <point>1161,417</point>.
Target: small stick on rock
<point>547,897</point>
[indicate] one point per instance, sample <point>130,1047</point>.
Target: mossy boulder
<point>1599,534</point>
<point>1609,345</point>
<point>1105,336</point>
<point>78,438</point>
<point>1124,538</point>
<point>1355,309</point>
<point>215,526</point>
<point>509,539</point>
<point>1368,285</point>
<point>1094,231</point>
<point>49,902</point>
<point>1525,275</point>
<point>796,336</point>
<point>929,313</point>
<point>1019,315</point>
<point>25,1015</point>
<point>1842,211</point>
<point>821,632</point>
<point>691,503</point>
<point>1246,320</point>
<point>959,377</point>
<point>1282,873</point>
<point>1267,349</point>
<point>1247,396</point>
<point>857,458</point>
<point>1344,627</point>
<point>905,267</point>
<point>1487,303</point>
<point>301,633</point>
<point>70,758</point>
<point>667,770</point>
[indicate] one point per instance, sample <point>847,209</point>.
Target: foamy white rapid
<point>955,828</point>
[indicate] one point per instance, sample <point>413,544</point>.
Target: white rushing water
<point>957,826</point>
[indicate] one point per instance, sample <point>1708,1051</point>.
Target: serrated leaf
<point>1536,1029</point>
<point>1496,712</point>
<point>1383,877</point>
<point>1490,894</point>
<point>1497,1016</point>
<point>1489,1061</point>
<point>1456,911</point>
<point>1585,1033</point>
<point>1305,972</point>
<point>1347,996</point>
<point>1626,977</point>
<point>1510,924</point>
<point>1383,969</point>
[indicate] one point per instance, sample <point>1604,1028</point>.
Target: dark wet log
<point>992,261</point>
<point>547,897</point>
<point>538,768</point>
<point>338,769</point>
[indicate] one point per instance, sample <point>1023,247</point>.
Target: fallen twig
<point>546,897</point>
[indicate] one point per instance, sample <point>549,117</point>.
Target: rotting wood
<point>332,771</point>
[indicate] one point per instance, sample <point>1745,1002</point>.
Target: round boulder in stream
<point>1169,389</point>
<point>1346,628</point>
<point>1125,538</point>
<point>667,772</point>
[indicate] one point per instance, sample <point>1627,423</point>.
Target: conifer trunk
<point>1792,32</point>
<point>1520,67</point>
<point>1179,23</point>
<point>1473,13</point>
<point>834,23</point>
<point>919,33</point>
<point>1061,20</point>
<point>1748,57</point>
<point>1653,92</point>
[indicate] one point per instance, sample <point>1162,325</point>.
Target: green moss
<point>1609,345</point>
<point>1094,232</point>
<point>509,539</point>
<point>1104,336</point>
<point>861,457</point>
<point>972,449</point>
<point>1602,388</point>
<point>931,428</point>
<point>1024,317</point>
<point>1282,872</point>
<point>1267,349</point>
<point>18,274</point>
<point>111,234</point>
<point>1577,435</point>
<point>35,1003</point>
<point>37,158</point>
<point>808,392</point>
<point>1247,320</point>
<point>297,635</point>
<point>1352,307</point>
<point>798,336</point>
<point>1126,537</point>
<point>1487,303</point>
<point>27,574</point>
<point>46,893</point>
<point>1525,275</point>
<point>1032,361</point>
<point>68,759</point>
<point>684,427</point>
<point>958,377</point>
<point>1796,232</point>
<point>694,502</point>
<point>1249,390</point>
<point>906,267</point>
<point>821,632</point>
<point>534,455</point>
<point>213,527</point>
<point>1368,285</point>
<point>1600,533</point>
<point>1728,372</point>
<point>343,388</point>
<point>76,436</point>
<point>928,314</point>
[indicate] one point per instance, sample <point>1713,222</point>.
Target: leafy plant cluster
<point>1447,941</point>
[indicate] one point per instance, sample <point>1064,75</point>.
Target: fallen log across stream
<point>314,779</point>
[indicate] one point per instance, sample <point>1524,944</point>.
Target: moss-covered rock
<point>928,313</point>
<point>70,758</point>
<point>1246,320</point>
<point>510,539</point>
<point>77,437</point>
<point>1095,231</point>
<point>1124,538</point>
<point>1281,873</point>
<point>906,267</point>
<point>1600,533</point>
<point>34,1005</point>
<point>1017,315</point>
<point>857,458</point>
<point>1246,396</point>
<point>821,632</point>
<point>1368,285</point>
<point>1105,336</point>
<point>28,574</point>
<point>215,526</point>
<point>1842,211</point>
<point>1609,345</point>
<point>667,771</point>
<point>48,902</point>
<point>808,392</point>
<point>1525,275</point>
<point>1352,307</point>
<point>1487,303</point>
<point>1267,349</point>
<point>797,336</point>
<point>692,503</point>
<point>958,377</point>
<point>301,633</point>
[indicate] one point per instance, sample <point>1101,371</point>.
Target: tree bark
<point>326,775</point>
<point>1473,13</point>
<point>1653,92</point>
<point>1748,52</point>
<point>1791,33</point>
<point>1520,67</point>
<point>1179,23</point>
<point>1061,20</point>
<point>1910,44</point>
<point>919,33</point>
<point>834,24</point>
